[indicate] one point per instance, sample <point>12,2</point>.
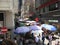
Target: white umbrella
<point>20,20</point>
<point>37,31</point>
<point>31,21</point>
<point>23,29</point>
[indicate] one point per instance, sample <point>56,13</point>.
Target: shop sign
<point>53,20</point>
<point>4,30</point>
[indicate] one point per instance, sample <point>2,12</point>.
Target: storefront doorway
<point>1,19</point>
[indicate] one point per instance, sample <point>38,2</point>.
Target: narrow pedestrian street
<point>29,22</point>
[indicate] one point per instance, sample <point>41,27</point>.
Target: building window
<point>20,4</point>
<point>42,2</point>
<point>53,7</point>
<point>44,9</point>
<point>1,17</point>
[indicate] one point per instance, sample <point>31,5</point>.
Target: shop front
<point>6,23</point>
<point>1,19</point>
<point>52,17</point>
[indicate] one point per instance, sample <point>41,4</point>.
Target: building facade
<point>49,9</point>
<point>27,7</point>
<point>8,8</point>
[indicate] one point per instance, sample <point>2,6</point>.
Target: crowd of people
<point>29,37</point>
<point>38,39</point>
<point>6,41</point>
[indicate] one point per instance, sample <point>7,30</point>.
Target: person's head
<point>43,29</point>
<point>15,38</point>
<point>42,22</point>
<point>7,42</point>
<point>52,34</point>
<point>38,23</point>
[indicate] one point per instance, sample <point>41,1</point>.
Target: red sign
<point>47,4</point>
<point>4,30</point>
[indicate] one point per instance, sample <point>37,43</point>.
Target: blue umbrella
<point>20,30</point>
<point>49,27</point>
<point>34,27</point>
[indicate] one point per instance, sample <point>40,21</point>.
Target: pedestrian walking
<point>43,38</point>
<point>50,39</point>
<point>16,20</point>
<point>37,40</point>
<point>1,39</point>
<point>15,40</point>
<point>40,39</point>
<point>57,42</point>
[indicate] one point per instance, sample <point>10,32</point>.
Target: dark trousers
<point>43,41</point>
<point>37,43</point>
